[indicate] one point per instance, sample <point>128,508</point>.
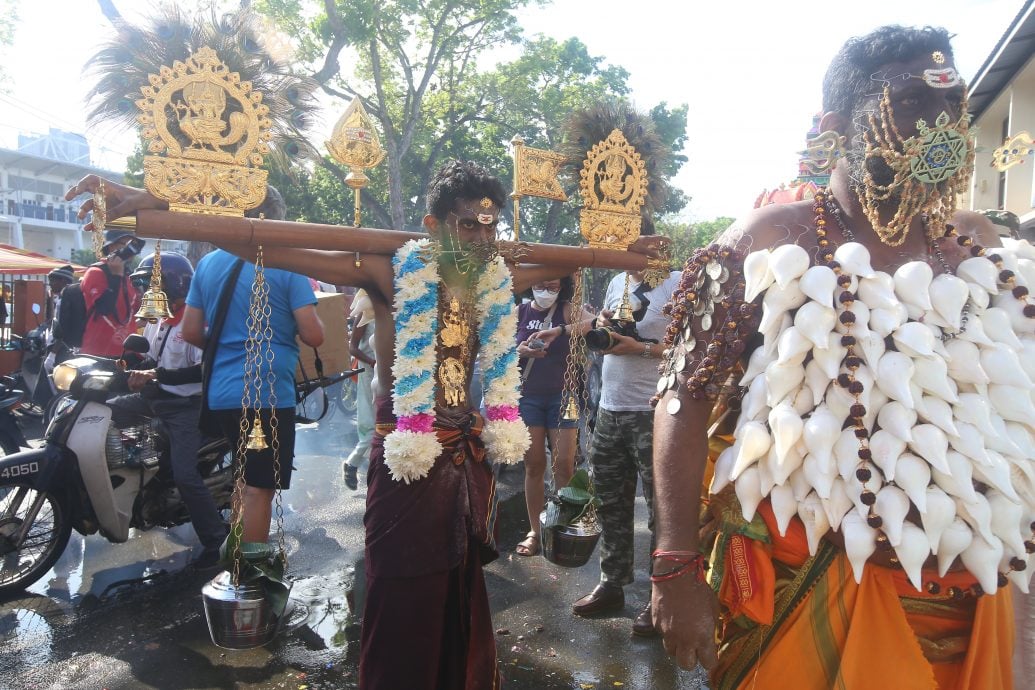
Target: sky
<point>750,71</point>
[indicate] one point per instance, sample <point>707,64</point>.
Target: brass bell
<point>154,305</point>
<point>256,437</point>
<point>625,310</point>
<point>571,410</point>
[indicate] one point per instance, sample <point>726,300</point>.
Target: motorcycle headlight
<point>65,373</point>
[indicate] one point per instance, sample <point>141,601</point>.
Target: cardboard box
<point>334,353</point>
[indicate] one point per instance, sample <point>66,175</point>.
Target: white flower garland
<point>411,450</point>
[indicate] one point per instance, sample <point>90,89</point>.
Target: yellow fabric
<point>875,634</point>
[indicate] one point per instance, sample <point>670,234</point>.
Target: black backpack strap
<point>215,328</point>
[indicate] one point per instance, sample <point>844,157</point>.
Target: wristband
<point>689,562</point>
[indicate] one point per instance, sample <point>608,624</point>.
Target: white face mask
<point>544,299</point>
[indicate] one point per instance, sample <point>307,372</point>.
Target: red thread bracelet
<point>689,562</point>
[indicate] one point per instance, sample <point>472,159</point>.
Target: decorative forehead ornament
<point>486,218</point>
<point>944,78</point>
<point>938,57</point>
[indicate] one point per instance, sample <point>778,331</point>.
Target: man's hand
<point>139,379</point>
<point>625,345</point>
<point>525,351</point>
<point>652,246</point>
<point>116,264</point>
<point>685,612</point>
<point>122,200</point>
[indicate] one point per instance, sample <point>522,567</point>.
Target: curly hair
<point>849,78</point>
<point>462,180</point>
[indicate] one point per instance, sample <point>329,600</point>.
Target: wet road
<point>130,615</point>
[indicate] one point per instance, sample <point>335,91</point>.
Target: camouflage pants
<point>622,449</point>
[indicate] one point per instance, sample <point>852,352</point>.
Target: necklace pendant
<point>455,328</point>
<point>452,378</point>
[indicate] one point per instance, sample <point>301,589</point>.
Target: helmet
<point>113,236</point>
<point>176,274</point>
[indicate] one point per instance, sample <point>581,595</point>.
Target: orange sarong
<point>804,624</point>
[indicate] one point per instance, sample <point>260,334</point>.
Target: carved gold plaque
<point>1013,151</point>
<point>536,174</point>
<point>613,186</point>
<point>207,133</point>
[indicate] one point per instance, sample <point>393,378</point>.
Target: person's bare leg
<point>258,513</point>
<point>562,441</point>
<point>535,470</point>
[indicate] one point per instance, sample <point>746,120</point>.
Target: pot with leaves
<point>569,524</point>
<point>249,613</point>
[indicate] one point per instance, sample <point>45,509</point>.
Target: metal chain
<point>576,347</point>
<point>252,363</point>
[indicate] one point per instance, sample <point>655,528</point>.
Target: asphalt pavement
<point>130,615</point>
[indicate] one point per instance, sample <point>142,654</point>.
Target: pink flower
<point>502,413</point>
<point>421,423</point>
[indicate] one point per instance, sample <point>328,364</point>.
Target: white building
<point>33,180</point>
<point>1002,102</point>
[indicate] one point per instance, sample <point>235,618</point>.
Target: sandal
<point>529,546</point>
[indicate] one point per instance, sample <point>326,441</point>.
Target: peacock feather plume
<point>586,127</point>
<point>241,41</point>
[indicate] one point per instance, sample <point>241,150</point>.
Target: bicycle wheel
<point>347,400</point>
<point>312,407</point>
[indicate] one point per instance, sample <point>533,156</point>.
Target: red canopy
<point>14,261</point>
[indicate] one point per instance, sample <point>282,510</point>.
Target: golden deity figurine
<point>452,378</point>
<point>207,134</point>
<point>614,188</point>
<point>455,329</point>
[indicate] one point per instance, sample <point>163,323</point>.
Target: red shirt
<point>105,332</point>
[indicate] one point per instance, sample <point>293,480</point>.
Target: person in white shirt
<point>171,391</point>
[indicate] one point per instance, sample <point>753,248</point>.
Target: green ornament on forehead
<point>941,150</point>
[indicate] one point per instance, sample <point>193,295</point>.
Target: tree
<point>8,21</point>
<point>686,237</point>
<point>406,49</point>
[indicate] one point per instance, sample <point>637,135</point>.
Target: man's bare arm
<point>684,609</point>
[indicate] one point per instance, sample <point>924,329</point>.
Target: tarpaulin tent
<point>22,262</point>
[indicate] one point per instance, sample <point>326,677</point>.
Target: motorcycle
<point>32,377</point>
<point>99,471</point>
<point>12,439</point>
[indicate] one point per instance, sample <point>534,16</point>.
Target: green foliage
<point>686,237</point>
<point>258,562</point>
<point>83,257</point>
<point>420,68</point>
<point>574,501</point>
<point>8,22</point>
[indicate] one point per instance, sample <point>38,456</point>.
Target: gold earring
<point>822,151</point>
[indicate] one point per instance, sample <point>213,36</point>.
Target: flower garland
<point>411,450</point>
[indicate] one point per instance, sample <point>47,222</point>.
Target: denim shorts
<point>544,411</point>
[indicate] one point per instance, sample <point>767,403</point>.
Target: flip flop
<point>529,546</point>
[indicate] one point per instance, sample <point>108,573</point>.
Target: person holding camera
<point>110,298</point>
<point>622,444</point>
<point>543,352</point>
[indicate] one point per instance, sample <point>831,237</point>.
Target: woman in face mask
<point>544,328</point>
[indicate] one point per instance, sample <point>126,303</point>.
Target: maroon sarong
<point>426,624</point>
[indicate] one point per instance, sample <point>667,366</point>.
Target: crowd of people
<point>812,557</point>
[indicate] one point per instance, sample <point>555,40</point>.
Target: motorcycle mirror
<point>136,343</point>
<point>36,309</point>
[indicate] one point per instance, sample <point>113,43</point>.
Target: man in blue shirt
<point>292,312</point>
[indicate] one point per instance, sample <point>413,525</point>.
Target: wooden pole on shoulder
<point>227,230</point>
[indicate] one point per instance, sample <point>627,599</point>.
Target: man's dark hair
<point>271,208</point>
<point>849,78</point>
<point>462,180</point>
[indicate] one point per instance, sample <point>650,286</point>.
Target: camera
<point>599,339</point>
<point>536,344</point>
<point>130,250</point>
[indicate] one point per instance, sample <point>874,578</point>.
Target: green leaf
<point>575,495</point>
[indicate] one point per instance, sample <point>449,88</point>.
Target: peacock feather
<point>586,127</point>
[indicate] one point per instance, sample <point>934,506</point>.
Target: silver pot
<point>239,617</point>
<point>568,545</point>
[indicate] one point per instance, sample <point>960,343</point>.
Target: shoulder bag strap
<point>208,356</point>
